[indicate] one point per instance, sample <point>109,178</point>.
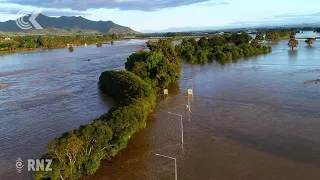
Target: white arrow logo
<point>26,25</point>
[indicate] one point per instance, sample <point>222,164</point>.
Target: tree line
<point>294,43</point>
<point>274,35</point>
<point>220,48</point>
<point>79,152</point>
<point>47,42</point>
<point>159,66</point>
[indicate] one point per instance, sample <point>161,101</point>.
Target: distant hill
<point>235,27</point>
<point>64,24</point>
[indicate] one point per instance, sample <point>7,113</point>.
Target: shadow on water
<point>293,148</point>
<point>223,63</point>
<point>210,61</point>
<point>311,50</point>
<point>310,47</point>
<point>293,54</point>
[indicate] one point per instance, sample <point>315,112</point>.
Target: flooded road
<point>257,118</point>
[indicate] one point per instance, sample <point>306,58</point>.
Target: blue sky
<point>143,15</point>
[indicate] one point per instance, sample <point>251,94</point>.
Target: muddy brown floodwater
<point>48,93</point>
<point>252,119</point>
<point>255,119</point>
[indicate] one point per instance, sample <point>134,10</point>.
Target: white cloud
<point>142,5</point>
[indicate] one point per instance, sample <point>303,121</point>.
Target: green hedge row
<point>124,85</point>
<point>79,152</point>
<point>159,67</point>
<point>220,48</point>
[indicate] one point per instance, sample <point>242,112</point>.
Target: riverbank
<point>75,45</point>
<point>19,50</point>
<point>41,48</point>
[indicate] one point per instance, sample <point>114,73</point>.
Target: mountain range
<point>65,23</point>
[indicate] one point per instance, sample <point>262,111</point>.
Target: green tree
<point>292,36</point>
<point>218,49</point>
<point>238,39</point>
<point>124,85</point>
<point>73,149</point>
<point>293,43</point>
<point>151,44</point>
<point>216,40</point>
<point>152,67</point>
<point>293,33</point>
<point>309,41</point>
<point>114,36</point>
<point>273,36</point>
<point>203,42</point>
<point>255,43</point>
<point>185,49</point>
<point>70,49</point>
<point>259,36</point>
<point>139,56</point>
<point>99,44</point>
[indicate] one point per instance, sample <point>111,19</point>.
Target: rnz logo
<point>34,165</point>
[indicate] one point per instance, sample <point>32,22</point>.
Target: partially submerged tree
<point>70,48</point>
<point>310,41</point>
<point>238,39</point>
<point>293,43</point>
<point>99,44</point>
<point>159,66</point>
<point>221,48</point>
<point>273,36</point>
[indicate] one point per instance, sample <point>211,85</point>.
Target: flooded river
<point>48,93</point>
<point>257,118</point>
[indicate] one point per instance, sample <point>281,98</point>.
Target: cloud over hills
<point>82,5</point>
